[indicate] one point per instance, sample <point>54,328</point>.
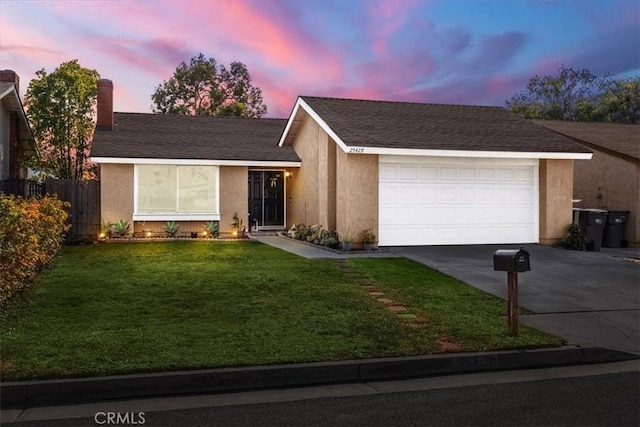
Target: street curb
<point>82,390</point>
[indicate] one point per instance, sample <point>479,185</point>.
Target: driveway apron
<point>589,298</point>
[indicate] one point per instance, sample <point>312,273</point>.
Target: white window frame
<point>175,216</point>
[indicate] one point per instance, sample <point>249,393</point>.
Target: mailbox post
<point>513,261</point>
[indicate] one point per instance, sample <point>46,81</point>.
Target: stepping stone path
<point>368,285</point>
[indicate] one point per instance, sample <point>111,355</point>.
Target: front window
<point>170,191</point>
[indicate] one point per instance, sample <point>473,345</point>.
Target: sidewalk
<point>173,403</point>
<point>27,394</point>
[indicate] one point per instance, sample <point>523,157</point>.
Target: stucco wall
<point>356,193</point>
<point>612,183</point>
<point>116,197</point>
<point>234,196</point>
<point>116,192</point>
<point>304,196</point>
<point>556,193</point>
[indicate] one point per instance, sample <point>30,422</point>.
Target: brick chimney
<point>10,76</point>
<point>104,120</point>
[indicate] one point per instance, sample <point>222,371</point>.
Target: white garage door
<point>452,201</point>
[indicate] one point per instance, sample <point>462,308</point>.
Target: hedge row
<point>31,232</point>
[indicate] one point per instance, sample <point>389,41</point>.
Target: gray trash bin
<point>592,222</point>
<point>614,229</point>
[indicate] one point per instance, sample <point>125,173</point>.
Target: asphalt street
<point>582,398</point>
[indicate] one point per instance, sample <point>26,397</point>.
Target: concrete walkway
<point>310,251</point>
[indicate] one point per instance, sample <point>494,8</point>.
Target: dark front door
<point>266,198</point>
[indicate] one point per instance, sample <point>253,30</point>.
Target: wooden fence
<point>84,214</point>
<point>21,187</point>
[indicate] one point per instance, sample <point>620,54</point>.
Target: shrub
<point>213,228</point>
<point>31,232</point>
<point>575,239</point>
<point>368,237</point>
<point>171,228</point>
<point>122,228</point>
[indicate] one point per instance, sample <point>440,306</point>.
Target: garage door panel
<point>486,174</point>
<point>523,175</point>
<point>447,193</point>
<point>388,191</point>
<point>448,173</point>
<point>468,174</point>
<point>408,173</point>
<point>428,173</point>
<point>457,202</point>
<point>523,194</point>
<point>407,192</point>
<point>428,192</point>
<point>467,193</point>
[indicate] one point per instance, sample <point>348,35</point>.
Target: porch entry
<point>266,199</point>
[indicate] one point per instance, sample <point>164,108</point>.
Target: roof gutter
<point>467,153</point>
<point>195,162</point>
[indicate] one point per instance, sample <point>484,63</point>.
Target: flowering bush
<point>31,233</point>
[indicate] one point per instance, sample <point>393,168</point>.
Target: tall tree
<point>619,101</point>
<point>578,95</point>
<point>61,109</point>
<point>204,87</point>
<point>571,95</point>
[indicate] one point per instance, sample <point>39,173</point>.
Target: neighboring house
<point>611,180</point>
<point>417,174</point>
<point>155,168</point>
<point>16,140</point>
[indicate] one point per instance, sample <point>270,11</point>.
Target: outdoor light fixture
<point>287,174</point>
<point>235,233</point>
<point>147,234</point>
<point>102,236</point>
<point>204,233</point>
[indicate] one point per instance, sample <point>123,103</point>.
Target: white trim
<point>195,162</point>
<point>315,116</point>
<point>385,158</point>
<point>467,153</point>
<point>175,217</point>
<point>292,118</point>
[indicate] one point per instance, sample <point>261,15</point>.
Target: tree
<point>619,101</point>
<point>571,95</point>
<point>578,95</point>
<point>61,109</point>
<point>205,87</point>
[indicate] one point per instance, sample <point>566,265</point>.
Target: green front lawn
<point>122,308</point>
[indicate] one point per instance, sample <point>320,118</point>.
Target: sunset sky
<point>444,51</point>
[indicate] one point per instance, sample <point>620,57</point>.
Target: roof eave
<point>468,153</point>
<point>26,133</point>
<point>302,104</point>
<point>194,162</point>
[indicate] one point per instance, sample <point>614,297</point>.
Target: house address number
<point>356,150</point>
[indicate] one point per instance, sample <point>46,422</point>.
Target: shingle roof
<point>620,138</point>
<point>386,124</point>
<point>167,136</point>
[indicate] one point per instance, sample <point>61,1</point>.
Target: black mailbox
<point>512,260</point>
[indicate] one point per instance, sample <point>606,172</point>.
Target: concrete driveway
<point>589,298</point>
